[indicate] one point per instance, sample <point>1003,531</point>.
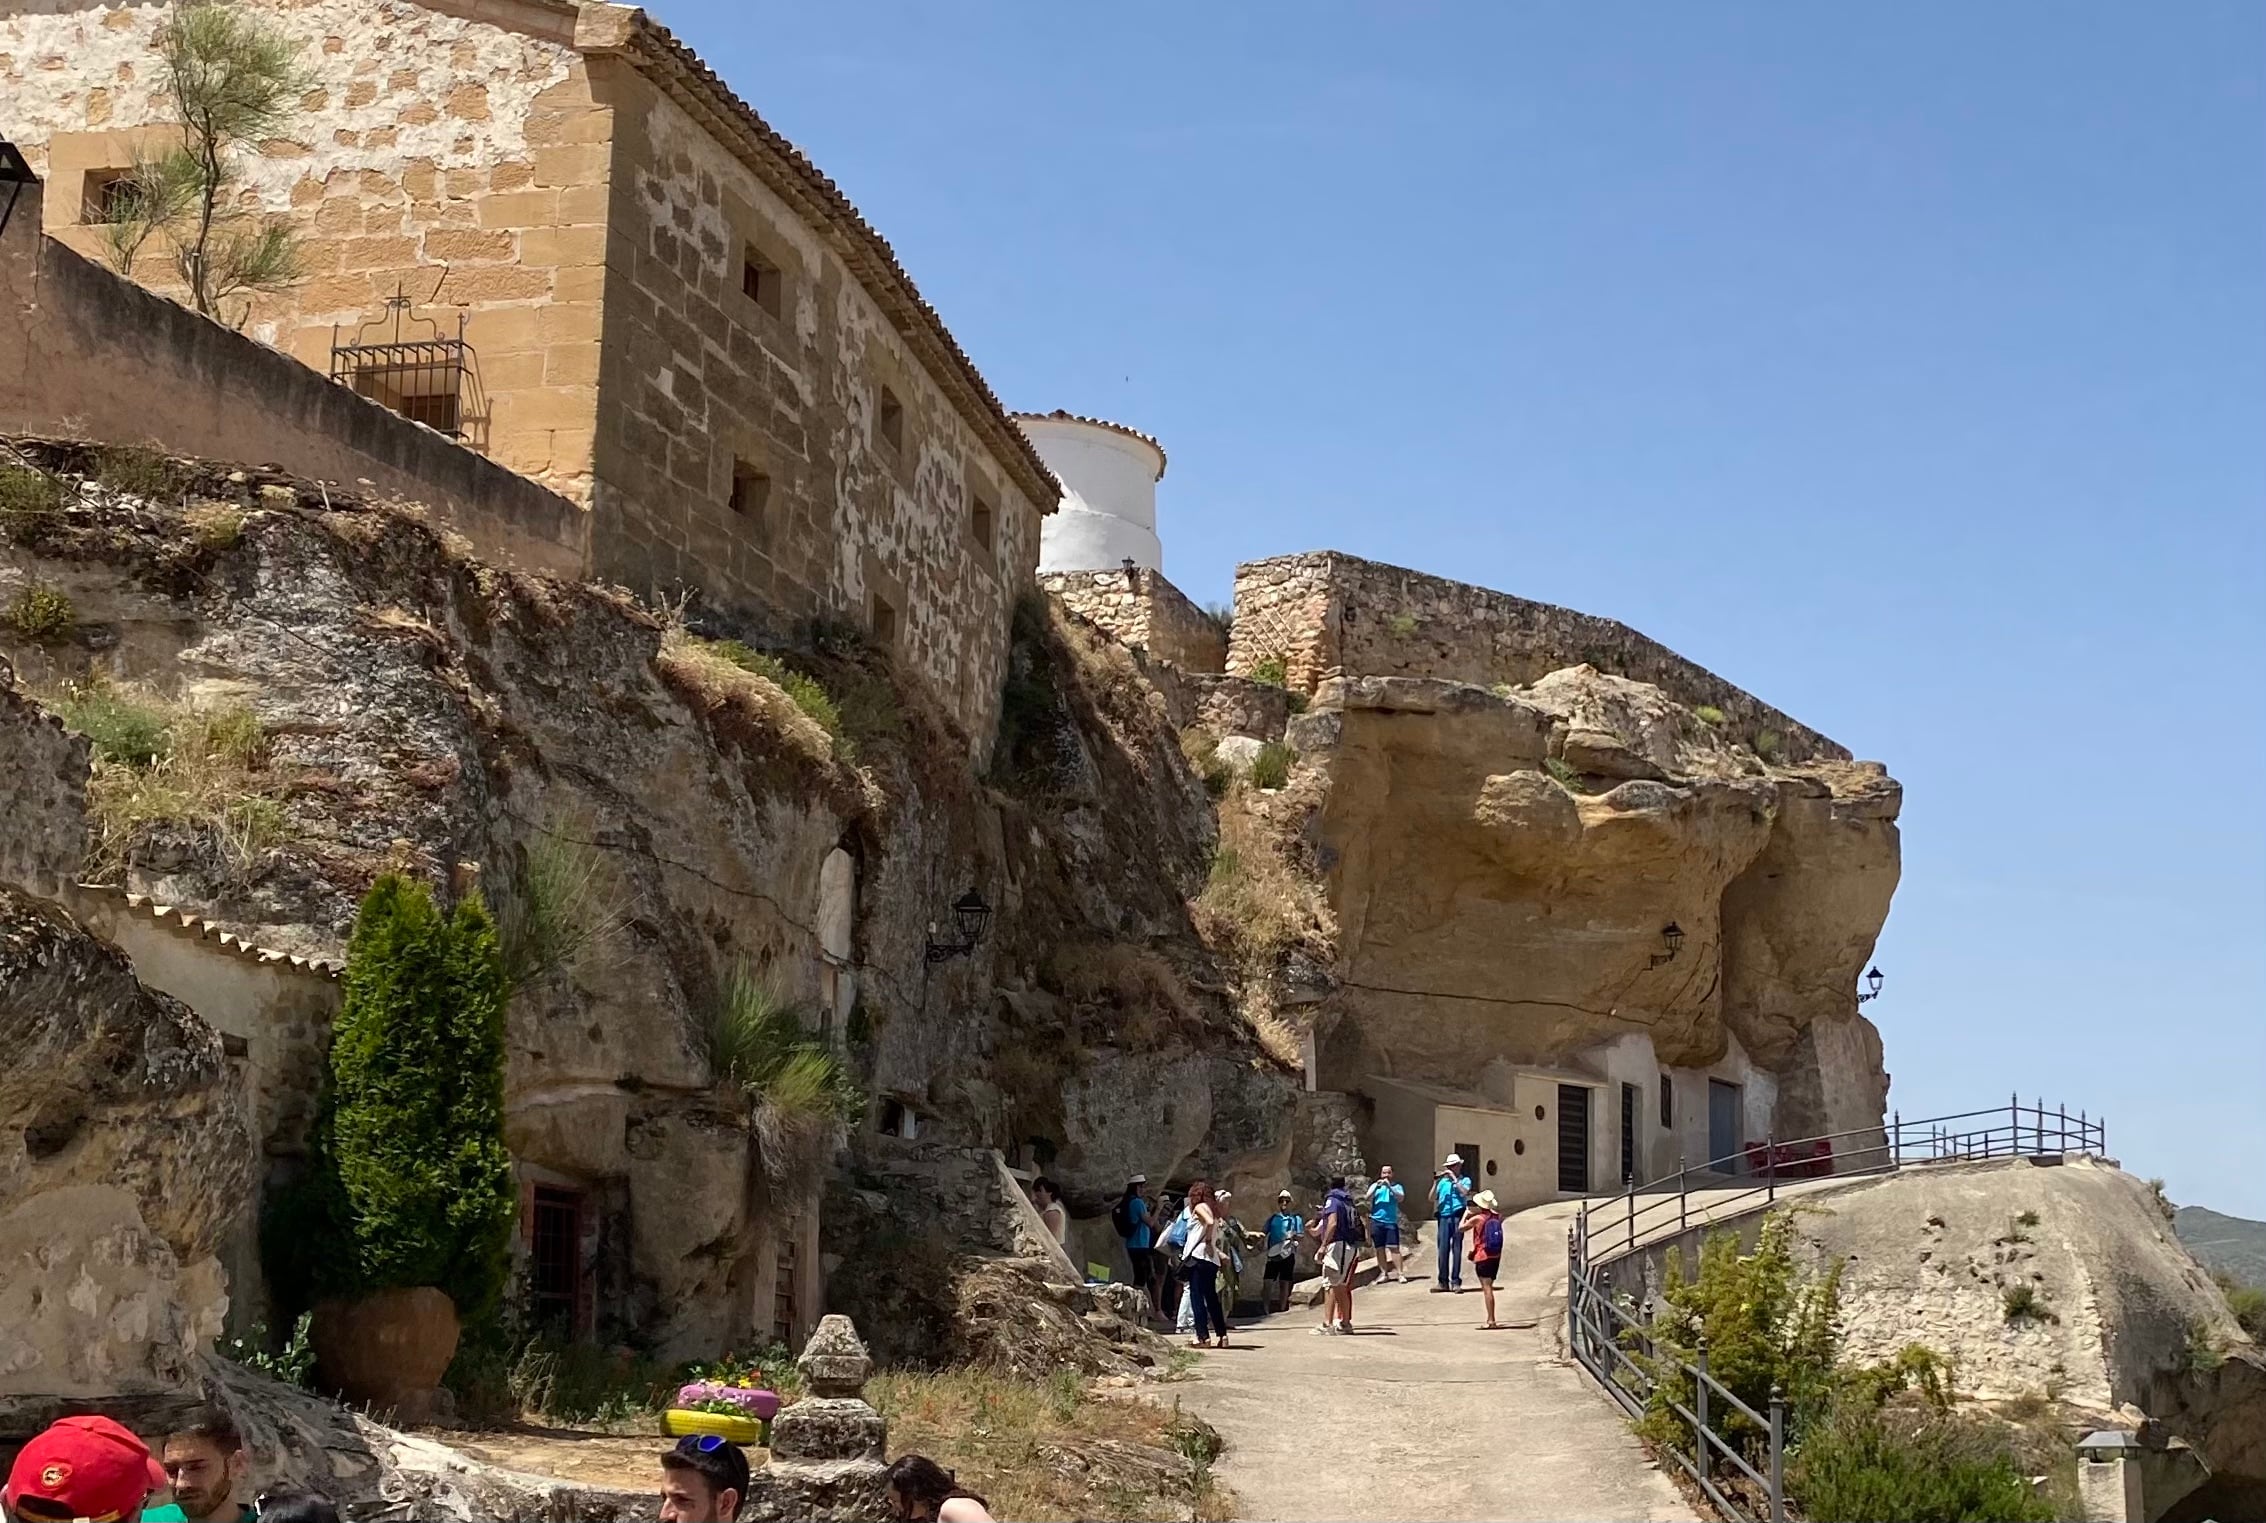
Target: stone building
<point>549,229</point>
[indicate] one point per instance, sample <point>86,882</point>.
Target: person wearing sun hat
<point>83,1467</point>
<point>1483,1225</point>
<point>1451,1192</point>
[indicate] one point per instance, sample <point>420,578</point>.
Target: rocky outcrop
<point>125,1152</point>
<point>426,713</point>
<point>1502,865</point>
<point>2064,1282</point>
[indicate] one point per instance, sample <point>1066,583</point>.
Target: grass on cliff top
<point>155,760</point>
<point>1040,1448</point>
<point>1255,907</point>
<point>715,672</point>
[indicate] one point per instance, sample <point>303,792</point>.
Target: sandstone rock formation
<point>125,1151</point>
<point>1502,864</point>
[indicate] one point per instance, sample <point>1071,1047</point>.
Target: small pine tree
<point>411,1177</point>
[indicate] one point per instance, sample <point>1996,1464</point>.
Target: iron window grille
<point>426,376</point>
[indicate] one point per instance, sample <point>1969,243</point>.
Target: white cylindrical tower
<point>1109,479</point>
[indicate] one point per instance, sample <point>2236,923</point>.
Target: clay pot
<point>388,1350</point>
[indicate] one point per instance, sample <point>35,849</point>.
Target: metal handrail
<point>1606,1339</point>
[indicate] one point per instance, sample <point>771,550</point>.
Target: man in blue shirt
<point>1450,1193</point>
<point>1385,1197</point>
<point>1135,1225</point>
<point>1283,1231</point>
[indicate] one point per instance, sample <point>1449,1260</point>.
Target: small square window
<point>884,622</point>
<point>981,520</point>
<point>107,196</point>
<point>891,421</point>
<point>761,281</point>
<point>751,490</point>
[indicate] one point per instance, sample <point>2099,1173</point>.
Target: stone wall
<point>87,354</point>
<point>588,198</point>
<point>1327,613</point>
<point>452,160</point>
<point>905,525</point>
<point>1140,608</point>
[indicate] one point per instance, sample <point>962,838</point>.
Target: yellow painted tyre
<point>682,1422</point>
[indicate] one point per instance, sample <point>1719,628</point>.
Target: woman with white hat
<point>1483,1224</point>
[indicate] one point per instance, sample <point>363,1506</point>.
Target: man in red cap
<point>83,1467</point>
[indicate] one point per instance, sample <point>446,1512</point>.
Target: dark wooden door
<point>1723,1127</point>
<point>1573,1138</point>
<point>1631,1098</point>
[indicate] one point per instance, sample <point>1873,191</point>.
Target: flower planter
<point>681,1422</point>
<point>387,1350</point>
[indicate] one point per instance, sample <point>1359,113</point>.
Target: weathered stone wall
<point>455,160</point>
<point>43,775</point>
<point>87,354</point>
<point>1327,613</point>
<point>906,526</point>
<point>1140,608</point>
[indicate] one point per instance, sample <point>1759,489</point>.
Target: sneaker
<point>1324,1331</point>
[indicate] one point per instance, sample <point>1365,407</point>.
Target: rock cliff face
<point>125,1151</point>
<point>424,712</point>
<point>1502,865</point>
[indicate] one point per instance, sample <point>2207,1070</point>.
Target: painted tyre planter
<point>683,1422</point>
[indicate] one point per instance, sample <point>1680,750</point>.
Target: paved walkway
<point>1422,1416</point>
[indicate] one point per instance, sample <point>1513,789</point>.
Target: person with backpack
<point>1337,1233</point>
<point>1130,1216</point>
<point>1451,1192</point>
<point>1284,1229</point>
<point>1483,1224</point>
<point>1385,1197</point>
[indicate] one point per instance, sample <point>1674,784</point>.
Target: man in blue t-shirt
<point>1385,1197</point>
<point>1283,1231</point>
<point>1137,1226</point>
<point>1451,1192</point>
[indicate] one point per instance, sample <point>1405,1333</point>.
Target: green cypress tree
<point>411,1167</point>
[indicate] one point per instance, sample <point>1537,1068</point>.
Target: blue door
<point>1723,1137</point>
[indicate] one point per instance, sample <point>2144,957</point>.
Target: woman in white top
<point>1049,1201</point>
<point>1200,1263</point>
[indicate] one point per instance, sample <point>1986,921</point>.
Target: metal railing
<point>1613,1338</point>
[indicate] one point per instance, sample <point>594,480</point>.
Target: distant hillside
<point>2230,1244</point>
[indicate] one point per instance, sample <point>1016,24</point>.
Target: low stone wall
<point>1139,608</point>
<point>86,354</point>
<point>1325,612</point>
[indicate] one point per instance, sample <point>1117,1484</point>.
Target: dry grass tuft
<point>702,669</point>
<point>1143,990</point>
<point>156,761</point>
<point>1048,1449</point>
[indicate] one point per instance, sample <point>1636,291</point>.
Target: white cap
<point>1225,1195</point>
<point>1136,1179</point>
<point>1282,1195</point>
<point>1455,1158</point>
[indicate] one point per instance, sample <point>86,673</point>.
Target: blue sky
<point>1905,364</point>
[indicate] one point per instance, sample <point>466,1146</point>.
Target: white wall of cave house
<point>1507,1124</point>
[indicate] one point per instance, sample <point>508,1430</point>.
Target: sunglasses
<point>700,1443</point>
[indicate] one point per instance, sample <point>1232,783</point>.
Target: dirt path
<point>1421,1416</point>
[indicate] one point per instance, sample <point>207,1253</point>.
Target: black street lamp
<point>1873,981</point>
<point>1672,937</point>
<point>971,917</point>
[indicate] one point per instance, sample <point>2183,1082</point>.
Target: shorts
<point>1284,1270</point>
<point>1385,1234</point>
<point>1337,1263</point>
<point>1144,1266</point>
<point>1485,1269</point>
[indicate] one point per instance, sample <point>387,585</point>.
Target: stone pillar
<point>830,1450</point>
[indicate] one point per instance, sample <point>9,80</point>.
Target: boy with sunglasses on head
<point>703,1480</point>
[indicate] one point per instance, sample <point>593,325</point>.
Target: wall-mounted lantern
<point>1671,937</point>
<point>1873,981</point>
<point>971,918</point>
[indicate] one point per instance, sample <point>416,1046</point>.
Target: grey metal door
<point>1723,1137</point>
<point>1573,1138</point>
